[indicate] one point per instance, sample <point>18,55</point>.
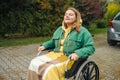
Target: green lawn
<point>98,31</point>
<point>94,30</point>
<point>22,41</point>
<point>25,41</point>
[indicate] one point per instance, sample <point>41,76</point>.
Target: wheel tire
<point>88,71</point>
<point>112,43</point>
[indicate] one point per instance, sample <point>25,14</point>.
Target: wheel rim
<point>89,72</point>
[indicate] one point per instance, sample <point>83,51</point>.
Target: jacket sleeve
<point>87,45</point>
<point>49,44</point>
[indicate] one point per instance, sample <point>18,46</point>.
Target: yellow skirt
<point>50,66</point>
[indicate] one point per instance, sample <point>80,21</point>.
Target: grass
<point>99,31</point>
<point>94,30</point>
<point>22,41</point>
<point>25,41</point>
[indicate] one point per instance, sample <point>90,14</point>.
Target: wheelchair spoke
<point>82,76</point>
<point>94,73</point>
<point>85,75</point>
<point>93,67</point>
<point>85,72</point>
<point>92,77</point>
<point>89,71</point>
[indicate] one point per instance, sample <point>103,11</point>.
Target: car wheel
<point>112,43</point>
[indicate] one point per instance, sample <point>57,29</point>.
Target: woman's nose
<point>67,16</point>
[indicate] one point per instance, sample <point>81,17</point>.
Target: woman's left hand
<point>73,56</point>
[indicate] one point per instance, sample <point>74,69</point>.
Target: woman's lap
<point>48,64</point>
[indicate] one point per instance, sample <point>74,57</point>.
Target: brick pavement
<point>14,61</point>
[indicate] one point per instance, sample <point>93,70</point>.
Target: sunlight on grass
<point>94,30</point>
<point>22,41</point>
<point>99,31</point>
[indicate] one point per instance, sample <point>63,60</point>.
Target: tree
<point>106,2</point>
<point>112,10</point>
<point>50,16</point>
<point>9,16</point>
<point>31,17</point>
<point>90,10</point>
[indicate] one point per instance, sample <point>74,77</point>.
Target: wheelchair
<point>82,69</point>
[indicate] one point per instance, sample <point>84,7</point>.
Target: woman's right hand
<point>41,48</point>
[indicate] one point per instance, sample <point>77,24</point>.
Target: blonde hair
<point>78,18</point>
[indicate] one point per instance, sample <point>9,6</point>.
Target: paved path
<point>14,61</point>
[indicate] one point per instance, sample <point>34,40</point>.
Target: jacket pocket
<point>57,41</point>
<point>74,42</point>
<point>72,45</point>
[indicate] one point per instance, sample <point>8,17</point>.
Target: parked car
<point>113,33</point>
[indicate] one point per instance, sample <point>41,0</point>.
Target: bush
<point>36,18</point>
<point>112,10</point>
<point>90,10</point>
<point>101,23</point>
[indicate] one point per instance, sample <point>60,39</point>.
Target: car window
<point>117,18</point>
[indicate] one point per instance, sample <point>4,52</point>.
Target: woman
<point>71,40</point>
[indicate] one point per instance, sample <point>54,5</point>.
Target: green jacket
<point>81,43</point>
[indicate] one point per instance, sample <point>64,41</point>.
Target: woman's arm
<point>88,46</point>
<point>49,44</point>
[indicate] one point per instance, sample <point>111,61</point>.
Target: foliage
<point>101,23</point>
<point>31,17</point>
<point>94,30</point>
<point>106,2</point>
<point>42,17</point>
<point>50,15</point>
<point>90,10</point>
<point>112,10</point>
<point>11,15</point>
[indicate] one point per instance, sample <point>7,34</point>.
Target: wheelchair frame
<point>87,71</point>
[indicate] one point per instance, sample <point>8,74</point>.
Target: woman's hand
<point>73,56</point>
<point>41,48</point>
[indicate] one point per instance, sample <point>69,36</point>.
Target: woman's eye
<point>71,14</point>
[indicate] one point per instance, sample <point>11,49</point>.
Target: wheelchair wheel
<point>88,71</point>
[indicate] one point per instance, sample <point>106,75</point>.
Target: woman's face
<point>69,17</point>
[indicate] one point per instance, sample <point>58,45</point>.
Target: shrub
<point>31,18</point>
<point>90,10</point>
<point>101,23</point>
<point>112,10</point>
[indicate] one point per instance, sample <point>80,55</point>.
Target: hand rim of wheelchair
<point>88,71</point>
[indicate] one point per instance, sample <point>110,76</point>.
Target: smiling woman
<point>69,17</point>
<point>71,40</point>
